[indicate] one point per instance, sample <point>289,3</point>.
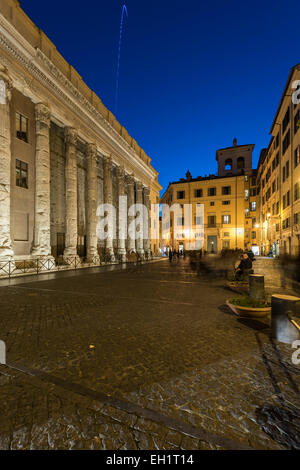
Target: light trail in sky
<point>124,12</point>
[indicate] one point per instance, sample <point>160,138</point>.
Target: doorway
<point>212,244</point>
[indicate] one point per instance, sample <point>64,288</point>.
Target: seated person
<point>245,264</point>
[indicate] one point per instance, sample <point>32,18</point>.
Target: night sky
<point>193,74</point>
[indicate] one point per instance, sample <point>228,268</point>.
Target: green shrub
<point>248,302</point>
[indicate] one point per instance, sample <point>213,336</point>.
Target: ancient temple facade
<point>62,155</point>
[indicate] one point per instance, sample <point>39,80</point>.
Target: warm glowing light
<point>268,215</point>
<point>257,226</point>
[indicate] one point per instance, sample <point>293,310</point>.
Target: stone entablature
<point>39,57</point>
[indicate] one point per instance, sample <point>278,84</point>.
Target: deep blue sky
<point>194,74</point>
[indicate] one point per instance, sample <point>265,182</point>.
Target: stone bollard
<point>282,328</point>
<point>2,353</point>
<point>257,287</point>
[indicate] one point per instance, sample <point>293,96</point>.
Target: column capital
<point>146,191</point>
<point>107,160</point>
<point>42,114</point>
<point>139,186</point>
<point>5,85</point>
<point>91,151</point>
<point>120,172</point>
<point>71,136</point>
<point>130,179</point>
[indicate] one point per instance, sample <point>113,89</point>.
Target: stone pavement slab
<point>153,336</point>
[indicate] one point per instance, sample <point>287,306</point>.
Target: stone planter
<point>249,312</point>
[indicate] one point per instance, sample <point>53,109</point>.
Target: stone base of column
<point>122,256</point>
<point>93,259</point>
<point>110,255</point>
<point>141,255</point>
<point>71,258</point>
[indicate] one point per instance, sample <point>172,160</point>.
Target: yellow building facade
<point>279,176</point>
<point>229,204</point>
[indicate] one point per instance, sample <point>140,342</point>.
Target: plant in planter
<point>255,305</point>
<point>247,307</point>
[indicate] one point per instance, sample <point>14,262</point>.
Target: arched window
<point>240,163</point>
<point>228,164</point>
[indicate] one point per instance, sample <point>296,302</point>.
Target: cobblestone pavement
<point>144,358</point>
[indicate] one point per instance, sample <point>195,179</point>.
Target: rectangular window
<point>286,120</point>
<point>225,203</point>
<point>180,194</point>
<point>253,235</point>
<point>288,198</point>
<point>296,157</point>
<point>253,222</point>
<point>253,206</point>
<point>297,218</point>
<point>253,192</point>
<point>226,234</point>
<point>296,191</point>
<point>211,221</point>
<point>198,193</point>
<point>287,169</point>
<point>198,220</point>
<point>297,121</point>
<point>212,191</point>
<point>226,244</point>
<point>286,142</point>
<point>226,190</point>
<point>21,127</point>
<point>284,202</point>
<point>226,219</point>
<point>21,174</point>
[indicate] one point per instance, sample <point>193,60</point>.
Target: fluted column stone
<point>122,214</point>
<point>6,251</point>
<point>71,194</point>
<point>91,236</point>
<point>108,199</point>
<point>131,246</point>
<point>140,237</point>
<point>147,244</point>
<point>42,224</point>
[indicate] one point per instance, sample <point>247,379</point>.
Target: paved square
<point>147,357</point>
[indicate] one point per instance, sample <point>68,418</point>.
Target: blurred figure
<point>245,265</point>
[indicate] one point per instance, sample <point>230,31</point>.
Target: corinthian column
<point>6,250</point>
<point>107,195</point>
<point>131,218</point>
<point>41,241</point>
<point>71,193</point>
<point>122,227</point>
<point>147,245</point>
<point>140,237</point>
<point>91,236</point>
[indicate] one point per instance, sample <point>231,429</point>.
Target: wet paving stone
<point>157,338</point>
